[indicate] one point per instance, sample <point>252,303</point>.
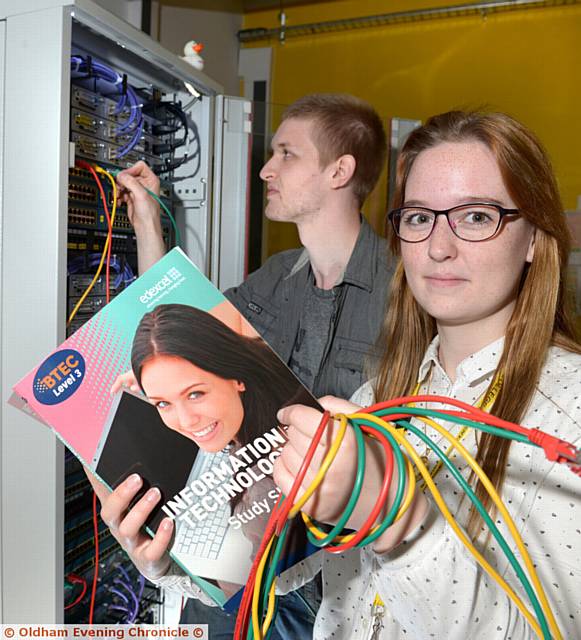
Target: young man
<point>319,307</point>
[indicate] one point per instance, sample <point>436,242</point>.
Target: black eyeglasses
<point>471,222</point>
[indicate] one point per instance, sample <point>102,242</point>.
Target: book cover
<point>204,429</point>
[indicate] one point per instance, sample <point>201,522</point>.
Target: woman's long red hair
<point>541,317</point>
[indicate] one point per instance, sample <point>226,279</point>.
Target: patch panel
<point>122,221</point>
<point>82,191</point>
<point>83,553</point>
<point>75,325</point>
<point>75,488</point>
<point>80,173</point>
<point>82,216</point>
<point>79,537</point>
<point>93,241</point>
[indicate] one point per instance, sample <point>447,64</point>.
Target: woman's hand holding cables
<point>332,495</point>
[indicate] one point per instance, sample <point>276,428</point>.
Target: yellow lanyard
<point>485,403</point>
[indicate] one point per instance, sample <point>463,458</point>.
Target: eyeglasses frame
<point>445,212</point>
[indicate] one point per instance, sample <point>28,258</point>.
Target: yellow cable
<point>105,247</point>
<point>456,444</point>
<point>256,594</point>
<point>450,518</point>
<point>270,610</point>
<point>322,469</point>
<point>318,533</point>
<point>485,403</point>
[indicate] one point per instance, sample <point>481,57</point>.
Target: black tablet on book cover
<point>135,440</point>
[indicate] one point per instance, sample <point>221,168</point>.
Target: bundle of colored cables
<point>388,423</point>
<point>107,246</point>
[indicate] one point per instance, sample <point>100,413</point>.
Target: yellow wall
<point>525,62</point>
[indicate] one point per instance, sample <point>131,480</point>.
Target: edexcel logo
<point>59,376</point>
<point>170,277</point>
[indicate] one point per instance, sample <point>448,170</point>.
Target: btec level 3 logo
<point>59,376</point>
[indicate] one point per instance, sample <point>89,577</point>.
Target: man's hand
<point>148,554</point>
<point>143,212</point>
<point>142,209</point>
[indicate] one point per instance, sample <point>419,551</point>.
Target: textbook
<point>203,430</point>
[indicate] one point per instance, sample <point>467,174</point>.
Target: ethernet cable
<point>88,67</point>
<point>106,246</point>
<point>160,202</point>
<point>73,578</point>
<point>96,567</point>
<point>109,224</point>
<point>260,594</point>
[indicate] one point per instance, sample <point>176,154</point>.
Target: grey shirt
<point>314,333</point>
<point>272,300</point>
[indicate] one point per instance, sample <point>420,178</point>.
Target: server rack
<point>48,215</point>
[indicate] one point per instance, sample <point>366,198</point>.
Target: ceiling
<point>260,5</point>
<point>239,6</point>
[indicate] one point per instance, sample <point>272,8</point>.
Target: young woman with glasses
<point>477,306</point>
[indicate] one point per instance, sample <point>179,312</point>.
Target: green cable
<point>270,577</point>
<point>273,563</point>
<point>509,435</point>
<point>402,473</point>
<point>486,517</point>
<point>167,213</point>
<point>400,492</point>
<point>116,172</point>
<point>323,542</point>
<point>390,517</point>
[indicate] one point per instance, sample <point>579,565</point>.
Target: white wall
<point>128,10</point>
<point>215,29</point>
<point>173,26</point>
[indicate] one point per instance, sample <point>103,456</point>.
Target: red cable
<point>480,415</point>
<point>78,580</point>
<point>290,498</point>
<point>242,619</point>
<point>555,448</point>
<point>96,571</point>
<point>382,498</point>
<point>88,167</point>
<point>275,525</point>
